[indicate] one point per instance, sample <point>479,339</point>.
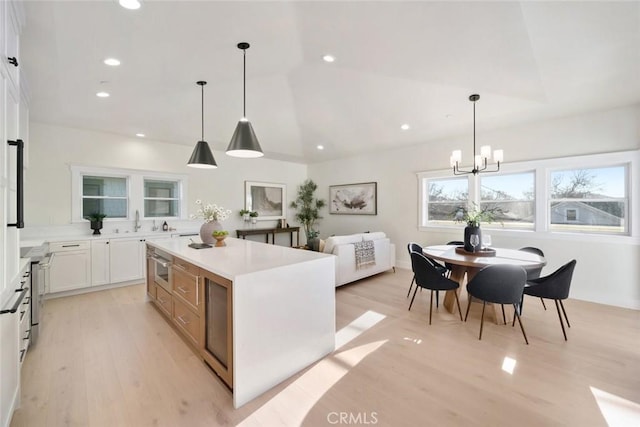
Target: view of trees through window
<point>511,197</point>
<point>589,199</point>
<point>446,196</point>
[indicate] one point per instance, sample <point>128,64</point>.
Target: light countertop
<point>238,257</point>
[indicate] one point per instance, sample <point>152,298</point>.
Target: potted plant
<point>473,217</point>
<point>244,213</point>
<point>96,221</point>
<point>254,217</point>
<point>308,211</point>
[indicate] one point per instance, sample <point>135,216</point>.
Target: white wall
<point>606,272</point>
<point>53,148</point>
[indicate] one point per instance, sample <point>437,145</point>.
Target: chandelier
<point>480,161</point>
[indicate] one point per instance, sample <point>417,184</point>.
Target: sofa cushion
<point>334,241</point>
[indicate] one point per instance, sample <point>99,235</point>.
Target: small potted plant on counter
<point>254,217</point>
<point>96,221</point>
<point>220,235</point>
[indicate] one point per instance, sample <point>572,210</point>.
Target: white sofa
<point>343,248</point>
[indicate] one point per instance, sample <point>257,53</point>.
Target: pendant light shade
<point>244,142</point>
<point>202,157</point>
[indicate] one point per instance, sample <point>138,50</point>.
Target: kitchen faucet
<point>136,225</point>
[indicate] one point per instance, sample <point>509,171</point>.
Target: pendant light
<point>202,156</point>
<point>480,162</point>
<point>244,142</point>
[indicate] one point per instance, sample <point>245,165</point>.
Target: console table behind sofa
<point>271,232</point>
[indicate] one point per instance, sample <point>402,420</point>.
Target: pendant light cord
<point>244,84</point>
<point>202,112</point>
<point>474,134</point>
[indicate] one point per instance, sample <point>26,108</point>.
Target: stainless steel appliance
<point>40,262</point>
<point>160,263</point>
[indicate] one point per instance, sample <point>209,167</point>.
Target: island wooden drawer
<point>185,286</point>
<point>163,299</point>
<point>187,321</point>
<point>151,290</point>
<point>185,266</point>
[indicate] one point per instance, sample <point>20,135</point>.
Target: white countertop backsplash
<point>35,236</point>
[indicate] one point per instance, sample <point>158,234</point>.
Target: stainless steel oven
<point>160,265</point>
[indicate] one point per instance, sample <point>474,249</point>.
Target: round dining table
<point>467,263</point>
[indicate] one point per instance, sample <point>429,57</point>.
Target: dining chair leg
<point>411,285</point>
<point>414,297</point>
<point>482,319</point>
<point>515,313</point>
<point>504,318</point>
<point>458,302</point>
<point>542,301</point>
<point>564,312</point>
<point>468,306</point>
<point>437,298</point>
<point>561,322</point>
<point>430,306</point>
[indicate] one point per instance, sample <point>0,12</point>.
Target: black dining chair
<point>429,277</point>
<point>498,284</point>
<point>555,286</point>
<point>534,272</point>
<point>414,247</point>
<point>448,266</point>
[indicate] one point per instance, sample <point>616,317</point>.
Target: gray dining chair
<point>534,272</point>
<point>498,284</point>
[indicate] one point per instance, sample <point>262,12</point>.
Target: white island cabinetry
<point>256,313</point>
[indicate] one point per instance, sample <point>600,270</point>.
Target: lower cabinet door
<point>70,270</point>
<point>187,321</point>
<point>163,299</point>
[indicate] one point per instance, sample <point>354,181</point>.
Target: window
<point>161,198</point>
<point>589,199</point>
<point>120,193</point>
<point>512,196</point>
<point>445,197</point>
<point>105,195</point>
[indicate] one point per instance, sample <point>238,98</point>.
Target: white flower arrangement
<point>210,212</point>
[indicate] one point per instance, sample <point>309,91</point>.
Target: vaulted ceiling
<point>396,62</point>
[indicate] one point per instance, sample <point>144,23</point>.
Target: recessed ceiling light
<point>328,58</point>
<point>448,116</point>
<point>130,4</point>
<point>320,147</point>
<point>405,127</point>
<point>140,135</point>
<point>112,61</point>
<point>102,94</point>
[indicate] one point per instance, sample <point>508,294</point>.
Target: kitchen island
<point>256,313</point>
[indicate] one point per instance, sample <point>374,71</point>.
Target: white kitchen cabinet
<point>100,262</point>
<point>127,259</point>
<point>71,266</point>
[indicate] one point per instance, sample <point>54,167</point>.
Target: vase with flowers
<point>473,217</point>
<point>212,214</point>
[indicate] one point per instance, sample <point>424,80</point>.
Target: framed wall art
<point>268,199</point>
<point>354,199</point>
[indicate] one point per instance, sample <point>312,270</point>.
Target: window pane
<point>445,197</point>
<point>512,196</point>
<point>104,186</point>
<point>161,189</point>
<point>113,208</point>
<point>160,208</point>
<point>593,200</point>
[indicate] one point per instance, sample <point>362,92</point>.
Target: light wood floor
<point>109,359</point>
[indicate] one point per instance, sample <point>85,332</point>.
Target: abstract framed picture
<point>268,199</point>
<point>354,199</point>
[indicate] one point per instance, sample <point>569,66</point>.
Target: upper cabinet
<point>13,15</point>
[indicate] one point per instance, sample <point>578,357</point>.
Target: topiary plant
<point>308,207</point>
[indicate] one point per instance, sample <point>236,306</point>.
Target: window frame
<point>543,170</point>
<point>135,190</point>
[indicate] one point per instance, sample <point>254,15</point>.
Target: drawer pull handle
<point>28,335</point>
<point>22,353</point>
<point>183,290</point>
<point>161,301</point>
<point>13,60</point>
<point>184,322</point>
<point>71,246</point>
